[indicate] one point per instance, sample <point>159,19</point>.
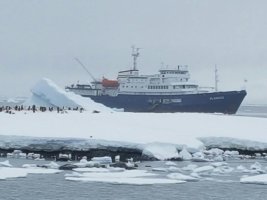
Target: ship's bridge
<point>128,73</point>
<point>181,69</point>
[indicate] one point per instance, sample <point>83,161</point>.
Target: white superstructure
<point>167,81</point>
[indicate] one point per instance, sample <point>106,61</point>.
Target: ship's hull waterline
<point>214,102</point>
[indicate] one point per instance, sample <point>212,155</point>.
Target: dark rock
<point>148,158</point>
<point>123,165</point>
<point>67,167</point>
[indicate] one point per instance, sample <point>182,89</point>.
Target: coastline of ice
<point>159,134</point>
<point>136,130</point>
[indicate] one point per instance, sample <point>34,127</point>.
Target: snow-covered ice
<point>161,151</point>
<point>133,177</point>
<point>202,169</point>
<point>258,179</point>
<point>170,163</point>
<point>8,172</point>
<point>5,164</point>
<point>189,167</point>
<point>181,177</point>
<point>93,169</point>
<point>130,181</point>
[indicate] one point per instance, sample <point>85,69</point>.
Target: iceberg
<point>161,151</point>
<point>47,93</point>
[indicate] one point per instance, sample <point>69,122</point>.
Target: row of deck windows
<point>173,72</point>
<point>131,86</point>
<point>158,87</point>
<point>184,86</point>
<point>165,87</point>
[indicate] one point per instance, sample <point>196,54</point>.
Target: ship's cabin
<point>181,69</point>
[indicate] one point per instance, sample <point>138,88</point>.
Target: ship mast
<point>135,54</point>
<point>216,78</point>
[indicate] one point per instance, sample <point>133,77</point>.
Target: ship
<point>168,91</point>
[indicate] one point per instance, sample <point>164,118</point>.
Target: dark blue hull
<point>220,102</point>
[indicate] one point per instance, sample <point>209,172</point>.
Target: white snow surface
<point>47,93</point>
<point>120,128</point>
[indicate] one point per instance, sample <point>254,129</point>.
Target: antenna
<point>216,78</point>
<point>135,54</point>
<point>83,66</point>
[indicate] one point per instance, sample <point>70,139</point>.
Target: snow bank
<point>47,93</point>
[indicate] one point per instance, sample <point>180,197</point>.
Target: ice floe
<point>189,167</point>
<point>207,168</point>
<point>8,172</point>
<point>93,169</point>
<point>181,177</point>
<point>258,179</point>
<point>170,163</point>
<point>164,169</point>
<point>133,177</point>
<point>130,181</point>
<point>5,164</point>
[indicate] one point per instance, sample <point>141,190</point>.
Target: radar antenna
<point>135,54</point>
<point>83,66</point>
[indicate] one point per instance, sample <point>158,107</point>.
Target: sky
<point>41,39</point>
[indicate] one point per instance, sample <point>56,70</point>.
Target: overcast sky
<point>41,38</point>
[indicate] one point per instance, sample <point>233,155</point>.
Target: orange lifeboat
<point>110,83</point>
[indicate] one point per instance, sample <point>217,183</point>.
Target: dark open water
<point>55,187</point>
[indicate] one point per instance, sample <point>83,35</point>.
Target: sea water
<point>54,186</point>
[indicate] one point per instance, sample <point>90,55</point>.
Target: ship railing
<point>161,93</point>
